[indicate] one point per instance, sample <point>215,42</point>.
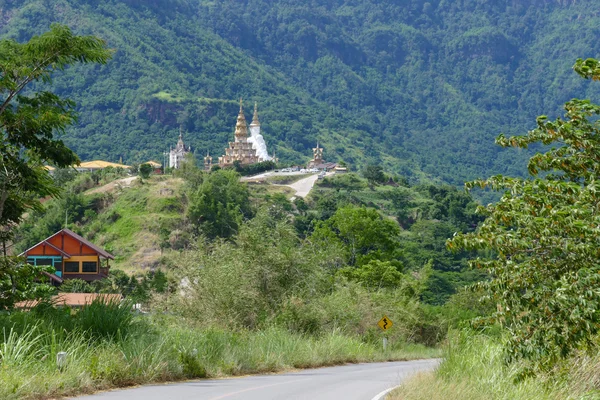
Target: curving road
<point>348,382</point>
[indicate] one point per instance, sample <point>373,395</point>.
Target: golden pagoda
<point>240,149</point>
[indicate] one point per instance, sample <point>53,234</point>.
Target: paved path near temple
<point>304,186</point>
<point>348,382</point>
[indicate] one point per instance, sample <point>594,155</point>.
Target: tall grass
<point>473,368</point>
<point>144,349</point>
<point>105,319</point>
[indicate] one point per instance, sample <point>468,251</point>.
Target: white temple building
<point>177,155</point>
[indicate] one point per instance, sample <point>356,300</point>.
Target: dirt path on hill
<point>109,187</point>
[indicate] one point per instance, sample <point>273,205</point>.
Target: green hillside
<point>420,87</point>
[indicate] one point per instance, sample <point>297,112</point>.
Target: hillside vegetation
<point>249,280</point>
<point>421,87</point>
<point>152,224</point>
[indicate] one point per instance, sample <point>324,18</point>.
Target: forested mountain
<point>422,87</point>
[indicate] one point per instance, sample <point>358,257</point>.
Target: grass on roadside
<point>159,348</point>
<point>473,369</point>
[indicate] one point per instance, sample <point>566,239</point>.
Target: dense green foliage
<point>418,86</point>
<point>253,169</point>
<point>544,234</point>
<point>362,233</point>
<point>145,170</point>
<point>219,205</point>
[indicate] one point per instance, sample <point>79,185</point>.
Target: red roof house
<point>71,256</point>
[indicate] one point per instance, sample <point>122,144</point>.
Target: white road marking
<point>382,395</point>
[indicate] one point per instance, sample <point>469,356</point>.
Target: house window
<point>89,266</point>
<point>71,266</point>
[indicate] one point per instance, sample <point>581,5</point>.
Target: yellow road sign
<point>385,323</point>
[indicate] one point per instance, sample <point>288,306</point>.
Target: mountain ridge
<point>420,87</point>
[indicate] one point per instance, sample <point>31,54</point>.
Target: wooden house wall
<point>71,245</point>
<point>43,250</point>
<point>79,253</point>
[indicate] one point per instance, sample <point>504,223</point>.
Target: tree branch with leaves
<point>29,124</point>
<point>545,235</point>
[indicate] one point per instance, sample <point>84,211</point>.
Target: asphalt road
<point>348,382</point>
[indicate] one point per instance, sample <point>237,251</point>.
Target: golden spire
<point>241,128</point>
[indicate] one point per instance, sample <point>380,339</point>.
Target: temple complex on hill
<point>243,148</point>
<point>240,149</point>
<point>177,155</point>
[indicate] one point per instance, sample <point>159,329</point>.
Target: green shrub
<point>192,368</point>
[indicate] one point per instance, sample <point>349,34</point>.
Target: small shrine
<point>317,157</point>
<point>318,162</point>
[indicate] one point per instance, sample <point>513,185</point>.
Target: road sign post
<point>385,323</point>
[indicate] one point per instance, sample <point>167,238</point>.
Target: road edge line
<point>382,395</point>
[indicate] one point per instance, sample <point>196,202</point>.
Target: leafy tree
<point>29,121</point>
<point>363,233</point>
<point>402,204</point>
<point>301,205</point>
<point>374,275</point>
<point>219,205</point>
<point>190,172</point>
<point>145,171</point>
<point>237,166</point>
<point>62,176</point>
<point>544,232</point>
<point>349,182</point>
<point>263,266</point>
<point>17,281</point>
<point>374,174</point>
